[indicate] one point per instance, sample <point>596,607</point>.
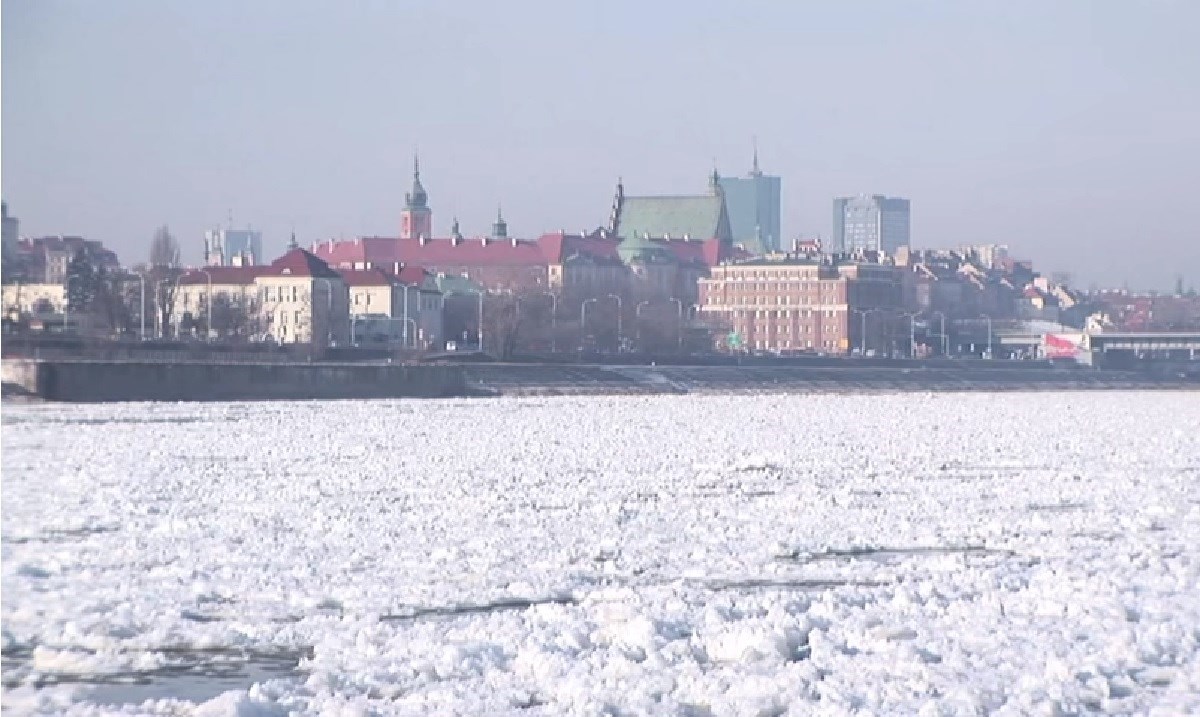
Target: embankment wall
<point>94,381</point>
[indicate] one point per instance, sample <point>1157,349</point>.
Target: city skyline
<point>1059,125</point>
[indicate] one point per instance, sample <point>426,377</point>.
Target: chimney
<point>484,240</point>
<point>421,239</point>
<point>454,240</point>
<point>514,241</point>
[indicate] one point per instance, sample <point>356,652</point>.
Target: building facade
<point>232,247</point>
<point>36,300</point>
<point>11,231</point>
<point>47,259</point>
<point>752,203</point>
<point>800,305</point>
<point>297,299</point>
<point>401,307</point>
<point>870,223</point>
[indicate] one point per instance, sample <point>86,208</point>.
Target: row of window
<point>777,274</point>
<point>785,300</point>
<point>785,314</point>
<point>802,329</point>
<point>769,345</point>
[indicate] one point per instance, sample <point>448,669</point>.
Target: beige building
<point>297,299</point>
<point>303,301</point>
<point>235,308</point>
<point>401,307</point>
<point>34,299</point>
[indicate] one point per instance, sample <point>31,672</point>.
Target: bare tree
<point>162,275</point>
<point>164,250</point>
<point>230,318</point>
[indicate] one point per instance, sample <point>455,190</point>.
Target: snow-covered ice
<point>935,554</point>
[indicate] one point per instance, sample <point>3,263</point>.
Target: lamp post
<point>619,310</point>
<point>989,334</point>
<point>945,339</point>
<point>862,345</point>
<point>142,306</point>
<point>637,320</point>
<point>479,327</point>
<point>912,333</point>
<point>553,315</point>
<point>328,309</point>
<point>583,320</point>
<point>208,297</point>
<point>404,329</point>
<point>159,319</point>
<point>412,321</point>
<point>678,322</point>
<point>67,303</point>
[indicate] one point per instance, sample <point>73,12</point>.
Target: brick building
<point>801,305</point>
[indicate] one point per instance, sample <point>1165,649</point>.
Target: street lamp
<point>479,327</point>
<point>404,328</point>
<point>67,304</point>
<point>678,322</point>
<point>862,346</point>
<point>142,306</point>
<point>945,339</point>
<point>637,320</point>
<point>328,309</point>
<point>619,310</point>
<point>912,333</point>
<point>207,306</point>
<point>989,327</point>
<point>158,318</point>
<point>553,315</point>
<point>583,320</point>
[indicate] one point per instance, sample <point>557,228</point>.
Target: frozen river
<point>726,555</point>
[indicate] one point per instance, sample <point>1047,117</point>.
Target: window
<point>294,293</point>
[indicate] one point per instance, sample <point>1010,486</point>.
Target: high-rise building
<point>232,247</point>
<point>753,206</point>
<point>870,222</point>
<point>11,230</point>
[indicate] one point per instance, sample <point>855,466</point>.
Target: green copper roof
<point>698,217</point>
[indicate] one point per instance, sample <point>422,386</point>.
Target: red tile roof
<point>383,251</point>
<point>226,275</point>
<point>557,247</point>
<point>411,275</point>
<point>380,276</point>
<point>368,277</point>
<point>299,262</point>
<point>707,252</point>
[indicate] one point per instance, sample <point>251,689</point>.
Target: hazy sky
<point>1069,130</point>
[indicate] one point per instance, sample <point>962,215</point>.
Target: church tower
<point>416,220</point>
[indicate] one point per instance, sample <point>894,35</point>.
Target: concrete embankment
<point>511,379</point>
<point>85,381</point>
<point>97,381</point>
